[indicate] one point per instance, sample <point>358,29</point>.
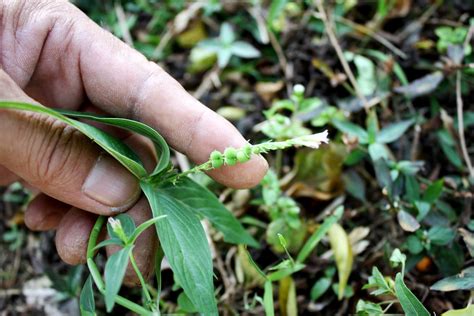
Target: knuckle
<point>50,146</point>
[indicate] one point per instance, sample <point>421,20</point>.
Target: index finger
<point>122,81</point>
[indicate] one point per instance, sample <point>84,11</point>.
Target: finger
<point>44,213</point>
<point>72,236</point>
<point>60,161</point>
<point>145,246</point>
<point>126,84</point>
<point>6,176</point>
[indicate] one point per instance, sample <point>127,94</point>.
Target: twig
<point>122,19</point>
<point>340,54</point>
<point>462,139</point>
<point>281,59</point>
<point>369,32</point>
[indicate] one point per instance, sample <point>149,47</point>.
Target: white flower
<point>311,141</point>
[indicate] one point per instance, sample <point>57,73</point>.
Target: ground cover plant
<point>377,221</point>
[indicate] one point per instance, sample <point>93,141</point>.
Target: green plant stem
<point>94,271</point>
<point>141,278</point>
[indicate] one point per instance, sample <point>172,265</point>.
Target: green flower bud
<point>217,159</point>
<point>242,156</point>
<point>230,156</point>
<point>247,149</point>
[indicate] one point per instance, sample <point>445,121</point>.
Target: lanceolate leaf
<point>205,203</point>
<point>313,241</point>
<point>185,246</point>
<point>352,129</point>
<point>461,281</point>
<point>87,303</point>
<point>342,249</point>
<point>393,132</point>
<point>410,304</point>
<point>161,147</point>
<point>113,146</point>
<point>114,274</point>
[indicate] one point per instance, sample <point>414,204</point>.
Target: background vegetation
<point>369,223</point>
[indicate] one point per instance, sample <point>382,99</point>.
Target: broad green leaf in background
<point>410,303</point>
<point>316,237</point>
<point>461,281</point>
<point>441,236</point>
<point>114,273</point>
<point>433,192</point>
<point>86,300</point>
<point>204,203</point>
<point>468,311</point>
<point>185,246</point>
<point>352,129</point>
<point>393,132</point>
<point>113,146</point>
<point>342,249</point>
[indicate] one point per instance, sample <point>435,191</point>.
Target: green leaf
<point>352,129</point>
<point>468,311</point>
<point>244,50</point>
<point>204,203</point>
<point>316,237</point>
<point>86,300</point>
<point>377,281</point>
<point>268,299</point>
<point>227,35</point>
<point>108,242</point>
<point>342,249</point>
<point>143,226</point>
<point>275,10</point>
<point>421,86</point>
<point>161,147</point>
<point>461,281</point>
<point>410,304</point>
<point>185,245</point>
<point>368,308</point>
<point>440,236</point>
<point>393,132</point>
<point>377,151</point>
<point>113,146</point>
<point>433,192</point>
<point>320,287</point>
<point>114,273</point>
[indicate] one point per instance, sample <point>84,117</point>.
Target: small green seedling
<point>178,204</point>
<point>384,285</point>
<point>225,46</point>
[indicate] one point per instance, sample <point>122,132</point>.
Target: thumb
<point>59,160</point>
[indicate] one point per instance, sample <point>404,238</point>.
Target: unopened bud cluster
<point>231,156</point>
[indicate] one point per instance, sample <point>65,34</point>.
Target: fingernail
<point>109,183</point>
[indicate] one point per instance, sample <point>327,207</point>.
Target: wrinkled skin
<point>52,54</point>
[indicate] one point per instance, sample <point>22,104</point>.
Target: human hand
<point>54,55</point>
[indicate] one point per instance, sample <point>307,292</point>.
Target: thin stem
<point>141,278</point>
<point>460,113</point>
<point>94,271</point>
<point>333,39</point>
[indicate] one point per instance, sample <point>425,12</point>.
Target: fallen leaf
<point>342,249</point>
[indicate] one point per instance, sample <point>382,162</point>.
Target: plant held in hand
<point>177,202</point>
